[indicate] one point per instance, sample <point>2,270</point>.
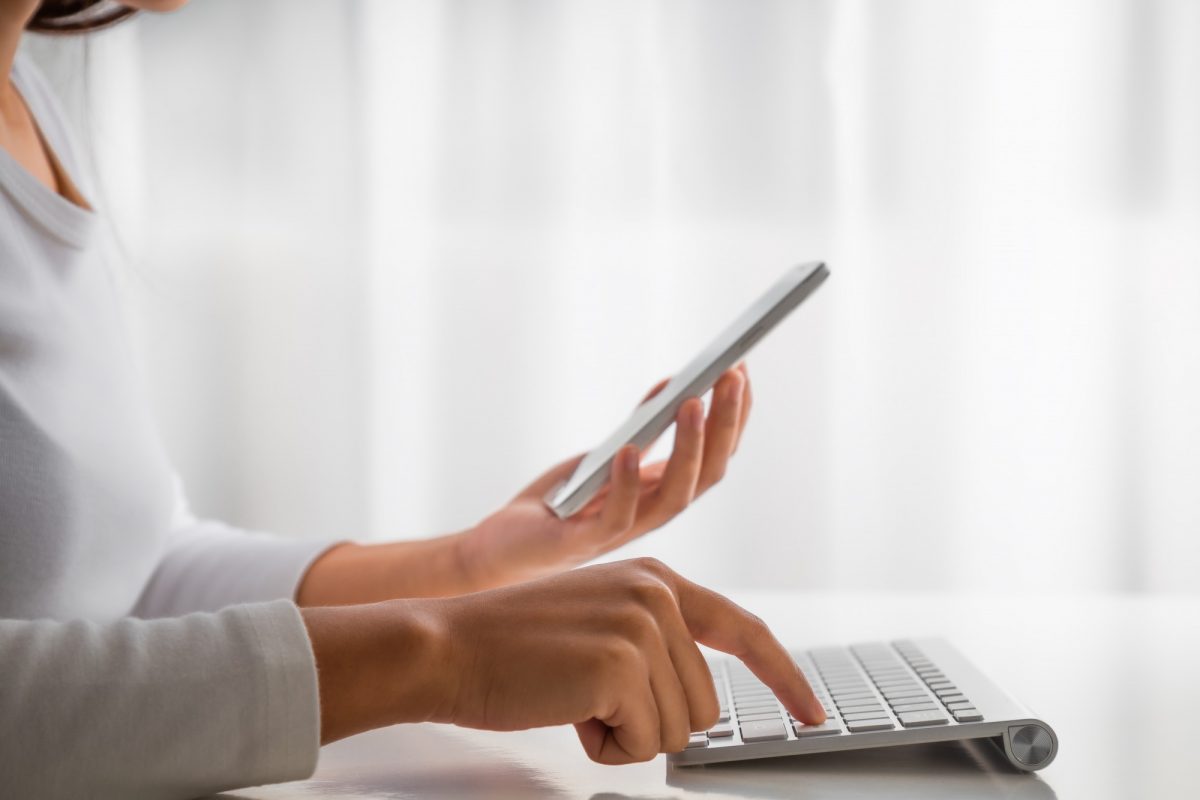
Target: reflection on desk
<point>1115,675</point>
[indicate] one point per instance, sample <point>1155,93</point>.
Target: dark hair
<point>77,16</point>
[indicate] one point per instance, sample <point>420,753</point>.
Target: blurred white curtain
<point>398,257</point>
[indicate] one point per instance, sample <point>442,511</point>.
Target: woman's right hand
<point>610,649</point>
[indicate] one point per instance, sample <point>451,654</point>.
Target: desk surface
<point>1117,676</point>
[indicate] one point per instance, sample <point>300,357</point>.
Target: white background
<point>392,258</point>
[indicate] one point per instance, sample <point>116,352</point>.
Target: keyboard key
<point>867,713</point>
<point>918,719</point>
<point>723,715</point>
<point>824,729</point>
<point>720,730</point>
<point>970,714</point>
<point>761,713</point>
<point>959,704</point>
<point>903,687</point>
<point>697,740</point>
<point>763,731</point>
<point>926,706</point>
<point>858,702</point>
<point>952,697</point>
<point>867,725</point>
<point>756,705</point>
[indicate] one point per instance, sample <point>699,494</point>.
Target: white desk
<point>1117,676</point>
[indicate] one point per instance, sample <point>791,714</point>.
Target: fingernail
<point>697,416</point>
<point>629,459</point>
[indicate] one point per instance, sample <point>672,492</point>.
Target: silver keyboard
<point>875,695</point>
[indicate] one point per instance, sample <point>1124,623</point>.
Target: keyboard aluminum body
<point>875,695</point>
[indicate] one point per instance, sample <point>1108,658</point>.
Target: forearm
<point>377,665</point>
<point>180,707</point>
<point>370,573</point>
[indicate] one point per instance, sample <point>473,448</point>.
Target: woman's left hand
<point>525,540</point>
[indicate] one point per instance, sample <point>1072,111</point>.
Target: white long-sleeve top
<point>120,674</point>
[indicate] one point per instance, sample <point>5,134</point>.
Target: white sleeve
<point>209,565</point>
<point>170,708</point>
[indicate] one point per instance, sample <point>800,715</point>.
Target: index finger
<point>718,622</point>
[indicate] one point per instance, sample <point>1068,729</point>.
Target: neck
<point>14,16</point>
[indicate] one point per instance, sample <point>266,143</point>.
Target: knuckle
<point>706,718</point>
<point>755,633</point>
<point>616,658</point>
<point>675,741</point>
<point>729,420</point>
<point>707,711</point>
<point>638,629</point>
<point>758,629</point>
<point>653,594</point>
<point>651,565</point>
<point>644,752</point>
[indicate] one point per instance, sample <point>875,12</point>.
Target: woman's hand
<point>525,539</point>
<point>610,649</point>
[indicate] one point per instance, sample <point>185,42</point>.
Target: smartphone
<point>653,417</point>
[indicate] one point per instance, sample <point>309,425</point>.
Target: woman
<point>144,653</point>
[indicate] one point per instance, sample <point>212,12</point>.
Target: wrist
<point>357,574</point>
<point>465,557</point>
<point>380,664</point>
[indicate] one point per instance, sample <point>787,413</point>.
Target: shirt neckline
<point>67,221</point>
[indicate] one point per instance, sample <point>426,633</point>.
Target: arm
<point>207,565</point>
<point>170,708</point>
<point>525,540</point>
<point>178,708</point>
